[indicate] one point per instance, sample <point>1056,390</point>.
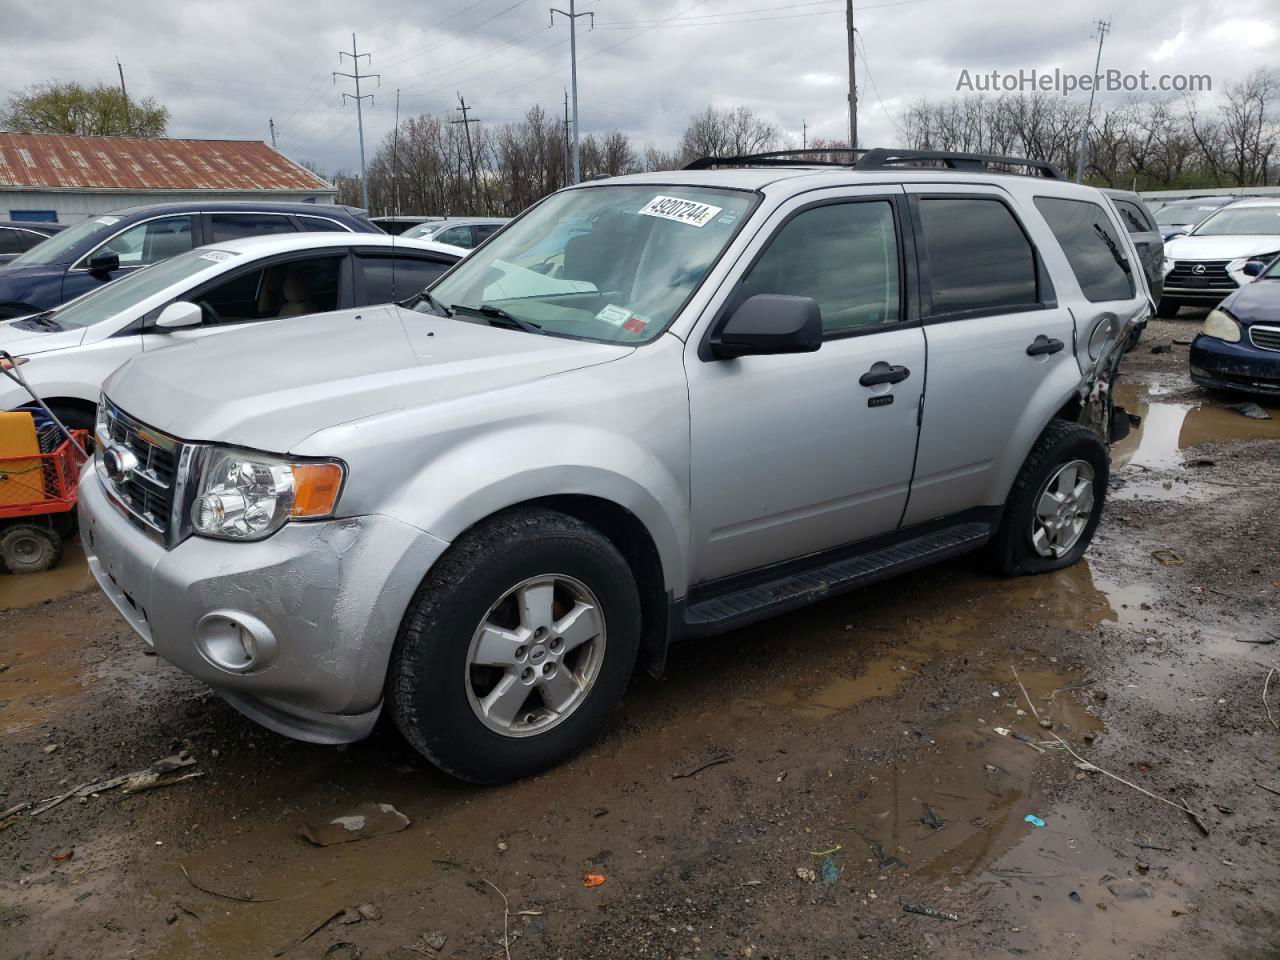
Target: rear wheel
<point>1056,502</point>
<point>26,548</point>
<point>516,648</point>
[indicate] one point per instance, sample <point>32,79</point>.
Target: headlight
<point>1168,265</point>
<point>1220,325</point>
<point>1235,269</point>
<point>248,496</point>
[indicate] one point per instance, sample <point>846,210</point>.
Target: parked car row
<point>19,236</point>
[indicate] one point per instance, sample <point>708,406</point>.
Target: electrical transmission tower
<point>573,16</point>
<point>358,97</point>
<point>471,154</point>
<point>1103,27</point>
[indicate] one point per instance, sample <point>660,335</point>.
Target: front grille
<point>1265,338</point>
<point>147,493</point>
<point>1213,276</point>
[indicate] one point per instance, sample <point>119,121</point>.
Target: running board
<point>727,611</point>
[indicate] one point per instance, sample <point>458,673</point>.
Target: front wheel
<point>1056,502</point>
<point>516,648</point>
<point>27,548</point>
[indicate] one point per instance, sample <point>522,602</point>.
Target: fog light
<point>235,642</point>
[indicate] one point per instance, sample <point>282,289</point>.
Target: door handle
<point>1043,345</point>
<point>882,372</point>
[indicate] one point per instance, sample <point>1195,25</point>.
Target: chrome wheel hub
<point>1063,508</point>
<point>535,656</point>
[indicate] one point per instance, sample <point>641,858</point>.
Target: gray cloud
<point>224,68</point>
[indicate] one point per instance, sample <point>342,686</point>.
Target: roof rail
<point>881,159</point>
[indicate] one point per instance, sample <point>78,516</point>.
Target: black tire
<point>1168,308</point>
<point>1012,551</point>
<point>75,418</point>
<point>27,548</point>
<point>428,680</point>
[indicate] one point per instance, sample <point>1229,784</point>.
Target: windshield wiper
<point>39,321</point>
<point>491,313</point>
<point>431,301</point>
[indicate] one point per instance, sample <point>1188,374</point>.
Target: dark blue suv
<point>105,248</point>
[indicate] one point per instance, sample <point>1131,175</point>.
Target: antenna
<point>395,186</point>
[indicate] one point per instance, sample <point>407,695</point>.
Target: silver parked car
<point>465,232</point>
<point>724,394</point>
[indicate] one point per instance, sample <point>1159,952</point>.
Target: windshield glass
<point>108,300</point>
<point>609,263</point>
<point>1176,214</point>
<point>421,231</point>
<point>58,247</point>
<point>1241,221</point>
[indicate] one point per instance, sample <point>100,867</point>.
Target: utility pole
<point>804,133</point>
<point>471,156</point>
<point>853,79</point>
<point>357,77</point>
<point>128,121</point>
<point>271,124</point>
<point>566,137</point>
<point>1103,28</point>
<point>573,16</point>
<point>395,157</point>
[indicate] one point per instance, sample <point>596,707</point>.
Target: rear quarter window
<point>1092,247</point>
<point>979,258</point>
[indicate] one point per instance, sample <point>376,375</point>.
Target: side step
<point>728,611</point>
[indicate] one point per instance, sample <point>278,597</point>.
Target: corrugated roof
<point>59,161</point>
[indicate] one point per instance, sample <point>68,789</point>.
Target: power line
<point>702,22</point>
<point>453,36</point>
<point>619,24</point>
<point>358,98</point>
<point>866,66</point>
<point>456,13</point>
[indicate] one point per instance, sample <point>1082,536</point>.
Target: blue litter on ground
<point>1032,819</point>
<point>830,872</point>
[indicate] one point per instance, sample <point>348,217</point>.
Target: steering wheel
<point>211,315</point>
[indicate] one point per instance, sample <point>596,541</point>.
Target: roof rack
<point>882,159</point>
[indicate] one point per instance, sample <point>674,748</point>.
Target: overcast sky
<point>224,67</point>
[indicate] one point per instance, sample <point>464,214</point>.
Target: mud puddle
<point>1150,461</point>
<point>70,576</point>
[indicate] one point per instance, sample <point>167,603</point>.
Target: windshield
<point>130,291</point>
<point>421,231</point>
<point>1180,213</point>
<point>609,263</point>
<point>58,247</point>
<point>1241,221</point>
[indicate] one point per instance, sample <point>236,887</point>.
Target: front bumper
<point>1234,366</point>
<point>329,596</point>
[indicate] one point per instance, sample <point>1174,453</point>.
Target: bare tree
<point>726,132</point>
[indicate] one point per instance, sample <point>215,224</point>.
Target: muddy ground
<point>864,769</point>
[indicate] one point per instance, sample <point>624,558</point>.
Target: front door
<point>792,454</point>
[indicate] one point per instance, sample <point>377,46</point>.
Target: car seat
<point>296,296</point>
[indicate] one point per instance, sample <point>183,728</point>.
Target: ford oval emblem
<point>119,462</point>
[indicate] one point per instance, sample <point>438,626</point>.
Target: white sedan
<point>205,291</point>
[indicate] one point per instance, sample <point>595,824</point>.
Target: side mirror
<point>1254,268</point>
<point>179,314</point>
<point>770,323</point>
<point>104,263</point>
<point>1175,235</point>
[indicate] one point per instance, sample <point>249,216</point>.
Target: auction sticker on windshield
<point>681,211</point>
<point>217,256</point>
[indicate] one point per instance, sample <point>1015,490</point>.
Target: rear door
<point>1142,229</point>
<point>1000,345</point>
<point>233,225</point>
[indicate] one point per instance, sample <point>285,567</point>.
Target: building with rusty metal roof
<point>66,179</point>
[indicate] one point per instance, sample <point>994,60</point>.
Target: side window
<point>280,290</point>
<point>10,241</point>
<point>844,255</point>
<point>150,242</point>
<point>229,226</point>
<point>28,239</point>
<point>412,275</point>
<point>321,225</point>
<point>979,258</point>
<point>458,236</point>
<point>1092,247</point>
<point>1133,219</point>
<point>483,231</point>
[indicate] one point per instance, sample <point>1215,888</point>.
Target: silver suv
<point>652,407</point>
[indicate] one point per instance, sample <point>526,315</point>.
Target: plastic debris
<point>1032,819</point>
<point>1003,731</point>
<point>929,912</point>
<point>362,822</point>
<point>1248,409</point>
<point>593,879</point>
<point>823,853</point>
<point>1170,558</point>
<point>807,874</point>
<point>830,872</point>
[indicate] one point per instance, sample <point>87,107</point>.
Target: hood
<point>1257,302</point>
<point>271,386</point>
<point>26,343</point>
<point>1219,248</point>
